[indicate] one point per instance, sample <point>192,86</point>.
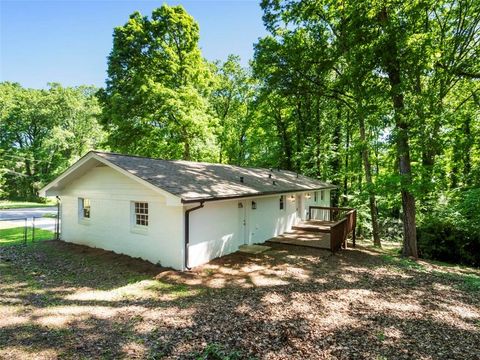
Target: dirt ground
<point>63,301</point>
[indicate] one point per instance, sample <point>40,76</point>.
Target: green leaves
<point>155,101</point>
<point>42,132</point>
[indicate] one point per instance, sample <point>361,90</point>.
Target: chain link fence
<point>28,230</point>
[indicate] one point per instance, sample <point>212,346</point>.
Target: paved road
<point>8,217</point>
<point>27,212</point>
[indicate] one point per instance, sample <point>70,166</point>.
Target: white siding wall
<point>110,226</point>
<point>268,220</point>
<point>216,229</point>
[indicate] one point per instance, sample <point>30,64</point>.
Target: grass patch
<point>174,289</point>
<point>16,235</point>
<point>50,215</point>
<point>9,204</point>
<point>218,352</point>
<point>403,263</point>
<point>465,282</point>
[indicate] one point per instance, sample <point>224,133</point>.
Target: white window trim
<point>82,219</point>
<point>134,227</point>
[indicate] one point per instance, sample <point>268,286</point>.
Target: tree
<point>394,67</point>
<point>41,132</point>
<point>232,99</point>
<point>156,99</point>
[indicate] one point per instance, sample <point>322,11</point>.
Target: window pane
<point>85,203</point>
<point>141,213</point>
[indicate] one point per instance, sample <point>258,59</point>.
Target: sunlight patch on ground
<point>62,316</point>
<point>26,353</point>
<point>463,317</point>
<point>273,298</point>
<point>134,350</point>
<point>10,316</point>
<point>144,289</point>
<point>262,280</point>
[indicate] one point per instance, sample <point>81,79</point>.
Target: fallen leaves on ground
<point>60,300</point>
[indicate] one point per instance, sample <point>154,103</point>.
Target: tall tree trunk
<point>467,157</point>
<point>220,153</point>
<point>347,154</point>
<point>286,161</point>
<point>392,67</point>
<point>335,161</point>
<point>405,169</point>
<point>368,178</point>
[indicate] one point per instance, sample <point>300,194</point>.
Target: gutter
<point>187,231</point>
<point>264,193</point>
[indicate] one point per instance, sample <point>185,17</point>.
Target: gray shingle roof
<point>194,181</point>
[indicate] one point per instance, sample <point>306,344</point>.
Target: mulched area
<point>61,300</point>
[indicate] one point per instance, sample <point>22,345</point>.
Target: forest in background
<point>381,98</point>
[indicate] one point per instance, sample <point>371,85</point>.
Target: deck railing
<point>344,223</point>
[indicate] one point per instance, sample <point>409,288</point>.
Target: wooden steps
<point>304,238</point>
<point>314,226</point>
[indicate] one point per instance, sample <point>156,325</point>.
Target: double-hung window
<point>141,213</point>
<point>282,202</point>
<point>84,208</point>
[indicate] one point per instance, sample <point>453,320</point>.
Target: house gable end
<point>90,161</point>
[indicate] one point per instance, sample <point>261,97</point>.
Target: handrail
<point>330,207</point>
<point>342,228</point>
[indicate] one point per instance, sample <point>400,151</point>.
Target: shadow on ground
<point>64,300</point>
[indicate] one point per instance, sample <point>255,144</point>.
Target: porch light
<point>254,205</point>
<point>291,198</point>
<point>308,196</point>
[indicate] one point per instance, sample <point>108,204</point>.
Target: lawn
<point>12,204</point>
<point>59,300</point>
<point>16,235</point>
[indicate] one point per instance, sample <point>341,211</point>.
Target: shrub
<point>451,232</point>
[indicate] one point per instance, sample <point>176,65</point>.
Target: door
<point>242,223</point>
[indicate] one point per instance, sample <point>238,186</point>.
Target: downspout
<point>58,218</point>
<point>187,230</point>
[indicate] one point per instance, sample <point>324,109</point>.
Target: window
<point>322,195</point>
<point>141,213</point>
<point>282,202</point>
<point>254,205</point>
<point>84,208</point>
<point>315,196</point>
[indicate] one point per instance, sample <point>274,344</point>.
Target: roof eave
<point>263,193</point>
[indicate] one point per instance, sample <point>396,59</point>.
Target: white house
<point>178,213</point>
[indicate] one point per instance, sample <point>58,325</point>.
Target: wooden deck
<point>312,233</point>
<point>317,232</point>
